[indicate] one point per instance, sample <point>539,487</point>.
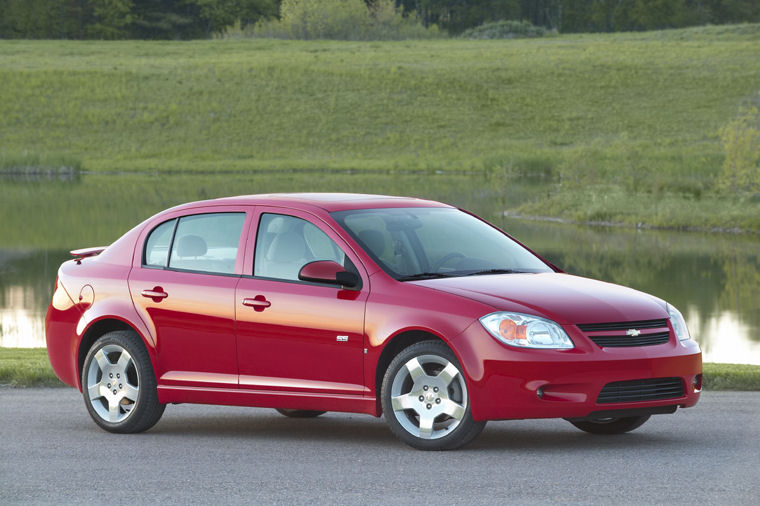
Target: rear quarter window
<point>157,246</point>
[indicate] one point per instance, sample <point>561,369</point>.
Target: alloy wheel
<point>113,383</point>
<point>429,396</point>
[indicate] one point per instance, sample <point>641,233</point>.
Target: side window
<point>157,246</point>
<point>207,242</point>
<point>284,244</point>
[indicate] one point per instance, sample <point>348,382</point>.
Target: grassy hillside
<point>634,113</point>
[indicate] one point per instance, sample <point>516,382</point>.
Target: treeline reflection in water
<point>713,278</point>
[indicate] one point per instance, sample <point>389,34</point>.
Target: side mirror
<point>329,272</point>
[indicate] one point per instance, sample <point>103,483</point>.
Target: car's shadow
<point>502,436</point>
<point>543,436</point>
<point>329,427</point>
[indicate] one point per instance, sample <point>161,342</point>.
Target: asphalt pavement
<point>51,452</point>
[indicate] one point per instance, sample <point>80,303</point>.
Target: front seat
<point>286,255</point>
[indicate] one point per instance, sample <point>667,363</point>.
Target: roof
<point>329,202</point>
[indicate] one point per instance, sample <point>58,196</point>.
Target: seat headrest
<point>280,225</point>
<point>191,246</point>
<point>287,247</point>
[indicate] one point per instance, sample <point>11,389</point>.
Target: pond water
<point>714,279</point>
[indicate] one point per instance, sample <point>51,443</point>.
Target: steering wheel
<point>446,258</point>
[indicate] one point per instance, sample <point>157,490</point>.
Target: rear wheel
<point>300,413</point>
<point>611,425</point>
<point>118,384</point>
<point>424,398</point>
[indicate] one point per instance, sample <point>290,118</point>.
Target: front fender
<point>417,309</point>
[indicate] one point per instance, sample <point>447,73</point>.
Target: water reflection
<point>26,286</point>
<point>714,279</point>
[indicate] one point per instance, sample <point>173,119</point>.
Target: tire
<point>425,401</point>
<point>118,384</point>
<point>611,425</point>
<point>300,413</point>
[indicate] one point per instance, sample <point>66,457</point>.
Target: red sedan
<point>309,303</point>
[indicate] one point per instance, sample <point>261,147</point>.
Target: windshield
<point>422,242</point>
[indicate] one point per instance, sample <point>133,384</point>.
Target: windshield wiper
<point>423,275</point>
<point>495,271</point>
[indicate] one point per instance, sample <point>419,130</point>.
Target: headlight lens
<point>679,324</point>
<point>526,331</point>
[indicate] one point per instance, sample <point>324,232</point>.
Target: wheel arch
<point>97,329</point>
<point>396,345</point>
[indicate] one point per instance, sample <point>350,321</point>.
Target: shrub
<point>504,29</point>
<point>343,20</point>
<point>31,163</point>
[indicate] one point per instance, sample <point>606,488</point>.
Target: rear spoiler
<point>79,254</point>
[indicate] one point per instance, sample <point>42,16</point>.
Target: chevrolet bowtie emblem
<point>633,332</point>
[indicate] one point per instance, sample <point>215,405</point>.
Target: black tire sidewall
<point>300,413</point>
<point>618,426</point>
<point>146,410</point>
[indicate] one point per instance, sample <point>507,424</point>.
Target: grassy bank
<point>632,119</point>
<point>26,367</point>
<point>23,367</point>
<point>731,377</point>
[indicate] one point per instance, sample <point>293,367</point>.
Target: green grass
<point>638,112</point>
<point>612,204</point>
<point>29,367</point>
<point>37,163</point>
<point>26,367</point>
<point>443,104</point>
<point>731,377</point>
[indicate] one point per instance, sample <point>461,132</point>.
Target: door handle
<point>258,303</point>
<point>157,294</point>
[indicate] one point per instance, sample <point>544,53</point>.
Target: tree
<point>111,19</point>
<point>43,19</point>
<point>216,15</point>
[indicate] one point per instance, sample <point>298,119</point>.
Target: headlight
<point>526,331</point>
<point>679,324</point>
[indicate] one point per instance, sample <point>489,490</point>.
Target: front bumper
<point>512,383</point>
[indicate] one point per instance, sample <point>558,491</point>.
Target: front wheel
<point>424,398</point>
<point>118,384</point>
<point>611,425</point>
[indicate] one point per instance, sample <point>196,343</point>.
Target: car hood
<point>563,298</point>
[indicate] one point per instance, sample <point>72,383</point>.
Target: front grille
<point>615,334</point>
<point>641,390</point>
<point>644,324</point>
<point>623,341</point>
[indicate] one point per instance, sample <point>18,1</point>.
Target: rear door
<point>294,335</point>
<point>183,286</point>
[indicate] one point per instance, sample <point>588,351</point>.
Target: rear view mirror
<point>327,271</point>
